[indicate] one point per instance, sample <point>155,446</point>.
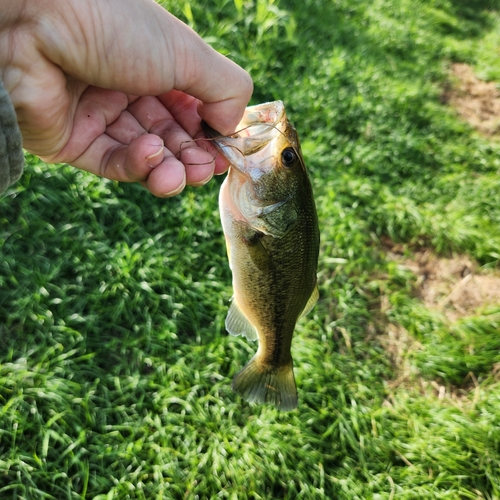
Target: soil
<point>454,285</point>
<point>477,101</point>
<point>457,287</point>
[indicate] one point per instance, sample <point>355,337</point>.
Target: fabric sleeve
<point>11,143</point>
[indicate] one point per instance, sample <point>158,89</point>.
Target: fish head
<point>267,169</point>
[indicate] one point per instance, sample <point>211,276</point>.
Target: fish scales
<point>272,237</point>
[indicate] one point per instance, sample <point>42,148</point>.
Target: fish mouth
<point>260,125</point>
<point>262,118</point>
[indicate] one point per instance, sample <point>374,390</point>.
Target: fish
<point>271,230</point>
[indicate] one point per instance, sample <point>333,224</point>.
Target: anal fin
<point>312,300</point>
<point>237,323</point>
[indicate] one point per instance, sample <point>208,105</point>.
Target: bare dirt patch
<point>477,101</point>
<point>456,285</point>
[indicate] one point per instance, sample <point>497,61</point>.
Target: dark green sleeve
<point>11,143</point>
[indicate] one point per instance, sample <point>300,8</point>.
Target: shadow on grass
<point>476,11</point>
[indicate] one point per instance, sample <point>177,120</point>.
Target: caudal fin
<point>258,384</point>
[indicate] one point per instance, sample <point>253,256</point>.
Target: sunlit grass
<point>115,368</point>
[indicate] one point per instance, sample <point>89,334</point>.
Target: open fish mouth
<point>258,127</point>
<point>262,119</point>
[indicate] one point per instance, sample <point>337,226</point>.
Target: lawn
<point>115,368</point>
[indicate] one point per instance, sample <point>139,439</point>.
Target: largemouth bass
<point>272,238</point>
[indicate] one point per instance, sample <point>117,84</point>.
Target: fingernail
<point>203,182</point>
<point>155,156</point>
<point>175,191</point>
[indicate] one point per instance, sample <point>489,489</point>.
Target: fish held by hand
<point>272,237</point>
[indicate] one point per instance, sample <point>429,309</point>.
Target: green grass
<point>115,368</point>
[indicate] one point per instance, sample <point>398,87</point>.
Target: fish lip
<point>221,142</point>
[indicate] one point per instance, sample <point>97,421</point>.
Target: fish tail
<point>260,384</point>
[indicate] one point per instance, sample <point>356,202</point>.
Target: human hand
<point>118,88</point>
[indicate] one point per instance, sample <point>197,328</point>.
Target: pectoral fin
<point>237,323</point>
<point>312,300</point>
<point>277,219</point>
<point>257,251</point>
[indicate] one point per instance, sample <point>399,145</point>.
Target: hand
<point>118,88</point>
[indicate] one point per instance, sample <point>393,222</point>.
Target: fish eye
<point>288,157</point>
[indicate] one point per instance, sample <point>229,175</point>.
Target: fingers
<point>144,160</point>
<point>157,119</point>
<point>168,179</point>
<point>133,162</point>
<point>96,109</point>
<point>125,128</point>
<point>185,110</point>
<point>129,144</point>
